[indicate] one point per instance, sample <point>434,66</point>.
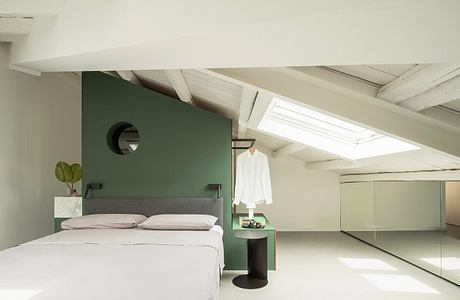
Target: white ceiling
<point>224,98</point>
<point>352,38</point>
<point>208,92</point>
<point>377,74</point>
<point>455,105</point>
<point>198,34</point>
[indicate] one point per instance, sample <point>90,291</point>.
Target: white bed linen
<point>115,264</point>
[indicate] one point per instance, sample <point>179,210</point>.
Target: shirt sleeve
<point>267,184</point>
<point>239,181</point>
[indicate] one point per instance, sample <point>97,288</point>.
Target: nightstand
<point>257,259</point>
<point>269,229</point>
<point>66,208</point>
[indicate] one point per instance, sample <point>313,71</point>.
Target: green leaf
<point>63,172</point>
<point>76,171</point>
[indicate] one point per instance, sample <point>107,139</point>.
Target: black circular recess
<point>123,138</point>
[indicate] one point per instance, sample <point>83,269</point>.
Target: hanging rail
<point>250,141</point>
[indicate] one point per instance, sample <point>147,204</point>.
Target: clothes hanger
<point>252,149</point>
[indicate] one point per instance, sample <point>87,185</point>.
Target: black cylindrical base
<point>257,258</point>
<point>257,266</point>
<point>246,282</point>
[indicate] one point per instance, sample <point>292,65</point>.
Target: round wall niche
<point>123,138</point>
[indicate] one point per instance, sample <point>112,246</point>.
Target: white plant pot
<point>67,207</point>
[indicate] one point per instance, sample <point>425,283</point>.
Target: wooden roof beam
<point>417,80</point>
<point>31,8</point>
<point>179,84</point>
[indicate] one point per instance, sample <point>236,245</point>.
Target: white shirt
<point>253,184</point>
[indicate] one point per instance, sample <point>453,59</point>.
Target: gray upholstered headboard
<point>154,206</point>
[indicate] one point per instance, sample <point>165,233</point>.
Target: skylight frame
<point>307,126</point>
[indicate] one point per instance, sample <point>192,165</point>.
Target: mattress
<point>115,264</point>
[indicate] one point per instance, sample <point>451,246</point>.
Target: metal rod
<point>244,140</point>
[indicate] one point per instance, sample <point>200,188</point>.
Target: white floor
<point>336,266</point>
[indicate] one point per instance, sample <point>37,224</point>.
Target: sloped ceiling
<point>225,97</point>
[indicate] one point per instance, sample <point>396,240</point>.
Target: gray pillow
<point>103,221</point>
<point>179,222</point>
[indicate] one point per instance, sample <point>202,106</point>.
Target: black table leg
<point>257,266</point>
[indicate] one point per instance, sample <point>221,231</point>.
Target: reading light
<point>312,128</point>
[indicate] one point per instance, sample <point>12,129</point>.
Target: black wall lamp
<point>92,186</point>
<point>216,186</point>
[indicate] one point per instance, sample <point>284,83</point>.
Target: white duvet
<point>111,264</point>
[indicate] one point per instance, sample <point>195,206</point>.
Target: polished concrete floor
<point>314,265</point>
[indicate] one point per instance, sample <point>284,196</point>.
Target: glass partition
<point>408,221</point>
<point>450,263</point>
<point>412,220</point>
<point>357,210</point>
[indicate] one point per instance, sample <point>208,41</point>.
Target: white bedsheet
<point>115,264</point>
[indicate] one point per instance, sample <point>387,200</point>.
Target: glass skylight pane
<point>306,126</point>
<point>314,115</point>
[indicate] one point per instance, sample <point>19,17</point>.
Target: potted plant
<point>69,174</point>
<point>68,206</point>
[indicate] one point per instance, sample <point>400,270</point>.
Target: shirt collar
<point>256,153</point>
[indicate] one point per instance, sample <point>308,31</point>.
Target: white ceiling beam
<point>417,80</point>
<point>362,109</point>
<point>338,164</point>
<point>25,70</point>
<point>334,164</point>
<point>179,84</point>
<point>8,38</point>
<point>31,8</point>
<point>145,38</point>
<point>443,114</point>
<point>288,150</point>
<point>248,96</point>
<point>130,76</point>
<point>445,92</point>
<point>15,25</point>
<point>453,175</point>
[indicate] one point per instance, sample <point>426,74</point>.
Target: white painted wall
<point>40,124</point>
<point>303,200</point>
<point>357,206</point>
<point>453,203</point>
<point>408,205</point>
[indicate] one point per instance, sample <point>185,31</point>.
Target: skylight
<point>309,127</point>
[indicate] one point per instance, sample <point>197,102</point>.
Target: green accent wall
<point>57,223</point>
<point>182,149</point>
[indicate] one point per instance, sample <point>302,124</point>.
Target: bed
<point>119,263</point>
